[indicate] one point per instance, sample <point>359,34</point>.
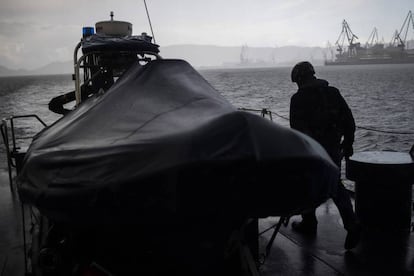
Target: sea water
<point>380,96</point>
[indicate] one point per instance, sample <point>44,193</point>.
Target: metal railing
<point>13,154</point>
<point>81,64</point>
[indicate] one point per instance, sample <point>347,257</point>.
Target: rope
<point>280,116</point>
<point>386,131</point>
<point>269,112</point>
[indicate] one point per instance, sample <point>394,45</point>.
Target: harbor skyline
<point>33,34</point>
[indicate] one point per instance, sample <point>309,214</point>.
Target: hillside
<point>4,71</point>
<point>56,68</point>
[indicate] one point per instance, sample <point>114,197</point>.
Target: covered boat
<point>163,142</point>
<point>153,166</point>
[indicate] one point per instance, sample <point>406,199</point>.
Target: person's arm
<point>348,127</point>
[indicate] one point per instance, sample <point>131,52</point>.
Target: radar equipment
<point>106,55</point>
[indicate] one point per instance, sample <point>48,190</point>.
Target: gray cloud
<point>14,29</point>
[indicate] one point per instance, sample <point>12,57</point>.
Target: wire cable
<point>359,127</point>
<point>386,131</point>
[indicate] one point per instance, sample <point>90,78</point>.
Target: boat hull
<point>363,61</point>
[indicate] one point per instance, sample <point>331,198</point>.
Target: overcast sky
<point>35,33</point>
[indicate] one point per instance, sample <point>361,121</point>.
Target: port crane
<point>399,38</point>
<point>330,51</point>
<point>399,50</point>
<point>350,36</point>
<point>243,54</point>
<point>372,39</point>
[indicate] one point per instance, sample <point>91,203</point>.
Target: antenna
<point>149,20</point>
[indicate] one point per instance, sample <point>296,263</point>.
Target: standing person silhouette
<point>320,111</point>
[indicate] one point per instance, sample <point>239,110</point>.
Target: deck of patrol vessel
<point>291,253</point>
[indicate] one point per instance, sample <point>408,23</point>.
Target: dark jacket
<point>320,111</point>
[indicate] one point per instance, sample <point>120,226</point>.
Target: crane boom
<point>372,39</point>
<point>400,38</point>
<point>349,35</point>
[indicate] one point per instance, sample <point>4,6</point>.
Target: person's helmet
<point>301,71</point>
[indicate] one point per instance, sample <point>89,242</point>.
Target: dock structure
<point>291,253</point>
<point>350,52</point>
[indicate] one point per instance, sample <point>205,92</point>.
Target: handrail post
<point>12,133</point>
<point>4,126</point>
<point>76,69</point>
<point>6,143</point>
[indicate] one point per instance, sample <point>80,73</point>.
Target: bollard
<point>383,185</point>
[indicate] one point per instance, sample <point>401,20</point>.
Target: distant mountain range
<point>55,68</point>
<point>206,56</point>
<point>4,71</point>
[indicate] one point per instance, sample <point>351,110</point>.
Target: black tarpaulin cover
<point>163,142</point>
<point>104,43</point>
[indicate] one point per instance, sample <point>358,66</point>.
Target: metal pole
<point>24,239</point>
<point>149,20</point>
<point>6,143</point>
